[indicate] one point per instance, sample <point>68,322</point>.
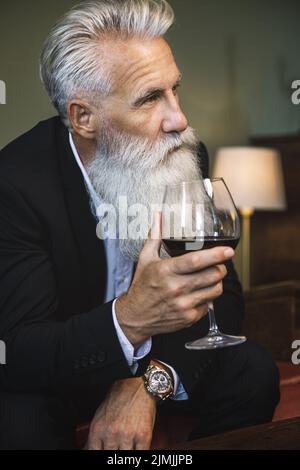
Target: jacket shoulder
<point>31,155</point>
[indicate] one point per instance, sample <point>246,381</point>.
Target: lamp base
<point>246,213</point>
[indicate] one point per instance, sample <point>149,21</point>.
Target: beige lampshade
<point>253,175</point>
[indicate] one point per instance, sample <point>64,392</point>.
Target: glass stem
<point>213,327</point>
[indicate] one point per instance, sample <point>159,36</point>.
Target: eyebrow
<point>144,95</point>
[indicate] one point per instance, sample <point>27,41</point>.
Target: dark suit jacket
<point>59,334</point>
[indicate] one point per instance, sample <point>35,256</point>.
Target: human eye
<point>175,88</point>
<point>152,98</point>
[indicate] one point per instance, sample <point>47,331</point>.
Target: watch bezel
<point>163,395</point>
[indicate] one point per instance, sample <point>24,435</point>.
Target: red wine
<point>181,246</point>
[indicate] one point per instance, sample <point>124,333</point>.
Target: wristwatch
<point>158,382</point>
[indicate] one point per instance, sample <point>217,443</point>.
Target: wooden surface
<point>281,435</point>
<point>289,406</point>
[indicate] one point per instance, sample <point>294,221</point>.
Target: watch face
<point>159,382</point>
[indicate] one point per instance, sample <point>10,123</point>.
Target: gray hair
<point>69,62</point>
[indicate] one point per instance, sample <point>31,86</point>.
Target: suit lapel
<point>90,248</point>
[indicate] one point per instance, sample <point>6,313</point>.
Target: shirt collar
<point>95,198</point>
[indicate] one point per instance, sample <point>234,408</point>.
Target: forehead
<point>138,64</point>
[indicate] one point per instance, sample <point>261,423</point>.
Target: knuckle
<point>174,289</point>
<point>216,274</point>
<point>161,270</point>
<point>112,431</point>
<point>203,310</point>
<point>194,261</point>
<point>219,288</point>
<point>144,436</point>
<point>223,270</point>
<point>192,316</point>
<point>183,305</point>
<point>128,440</point>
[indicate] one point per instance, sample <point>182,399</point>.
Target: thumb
<point>153,243</point>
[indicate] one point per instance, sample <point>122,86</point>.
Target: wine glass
<point>200,215</point>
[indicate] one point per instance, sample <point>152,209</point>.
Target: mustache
<point>175,141</point>
<point>130,152</point>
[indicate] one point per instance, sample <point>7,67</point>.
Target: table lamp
<point>255,179</point>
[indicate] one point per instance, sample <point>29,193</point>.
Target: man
<point>82,339</point>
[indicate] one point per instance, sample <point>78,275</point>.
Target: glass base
<point>215,340</point>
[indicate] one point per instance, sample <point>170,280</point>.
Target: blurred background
<point>239,59</point>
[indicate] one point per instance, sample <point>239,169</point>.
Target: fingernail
<point>229,252</point>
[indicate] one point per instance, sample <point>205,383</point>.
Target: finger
<point>200,298</point>
<point>110,445</point>
<point>127,445</point>
<point>152,246</point>
<point>208,277</point>
<point>199,260</point>
<point>142,444</point>
<point>95,445</point>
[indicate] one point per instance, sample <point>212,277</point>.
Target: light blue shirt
<point>119,276</point>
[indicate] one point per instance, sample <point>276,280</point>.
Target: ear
<point>84,118</point>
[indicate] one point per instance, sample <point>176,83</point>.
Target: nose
<point>174,120</point>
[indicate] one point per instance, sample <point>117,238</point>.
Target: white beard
<point>133,167</point>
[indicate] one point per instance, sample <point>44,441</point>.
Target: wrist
<point>124,315</point>
<point>133,385</point>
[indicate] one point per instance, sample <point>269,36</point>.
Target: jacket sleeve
<point>169,348</point>
<point>42,353</point>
